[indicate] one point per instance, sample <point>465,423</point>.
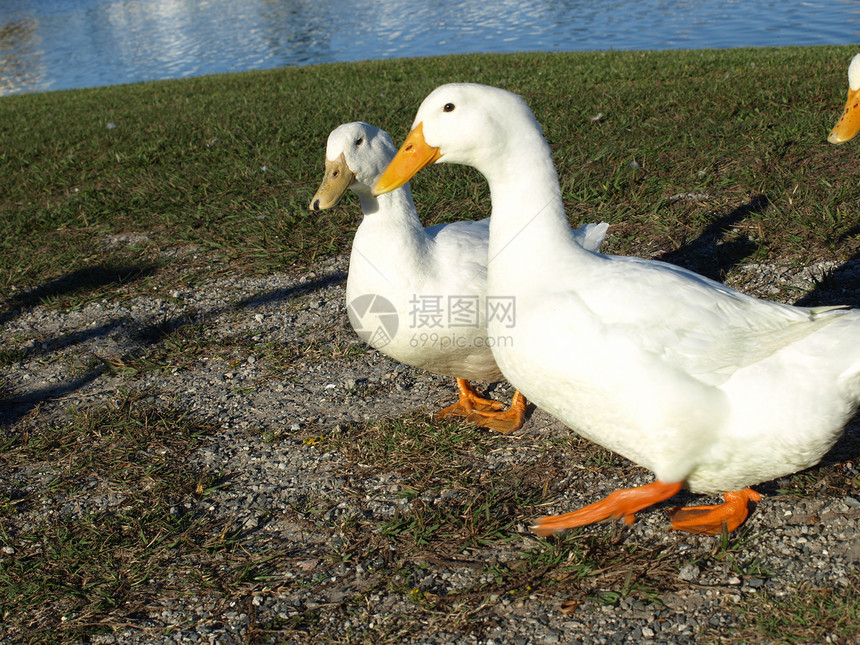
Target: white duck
<point>849,123</point>
<point>416,294</point>
<point>703,385</point>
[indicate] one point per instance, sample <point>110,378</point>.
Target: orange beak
<point>413,155</point>
<point>849,123</point>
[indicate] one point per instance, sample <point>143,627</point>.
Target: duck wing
<point>695,324</point>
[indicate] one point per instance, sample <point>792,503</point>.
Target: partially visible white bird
<point>849,123</point>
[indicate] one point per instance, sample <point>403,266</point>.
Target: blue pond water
<point>61,44</point>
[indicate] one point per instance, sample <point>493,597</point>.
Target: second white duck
<point>415,294</point>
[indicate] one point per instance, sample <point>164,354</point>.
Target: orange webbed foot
<point>486,413</point>
<point>469,402</point>
<point>503,421</point>
<point>624,503</point>
<point>710,520</point>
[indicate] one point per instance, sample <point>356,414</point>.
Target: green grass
<point>70,573</point>
<point>466,516</point>
<point>456,501</point>
<point>804,615</point>
<point>89,572</point>
<point>89,569</point>
<point>729,148</point>
<point>228,163</point>
<point>181,343</point>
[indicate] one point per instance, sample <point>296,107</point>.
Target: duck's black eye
<point>359,141</point>
<point>449,107</point>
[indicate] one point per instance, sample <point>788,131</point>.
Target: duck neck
<point>528,217</point>
<point>389,238</point>
<point>394,214</point>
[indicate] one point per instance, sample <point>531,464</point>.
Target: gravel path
<point>275,365</point>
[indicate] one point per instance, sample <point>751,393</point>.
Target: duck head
<point>356,154</point>
<point>461,123</point>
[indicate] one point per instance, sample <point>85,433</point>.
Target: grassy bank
<point>711,159</point>
<point>728,139</point>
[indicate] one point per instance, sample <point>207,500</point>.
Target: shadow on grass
<point>13,408</point>
<point>841,286</point>
<point>74,284</point>
<point>83,282</point>
<point>280,295</point>
<point>707,255</point>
